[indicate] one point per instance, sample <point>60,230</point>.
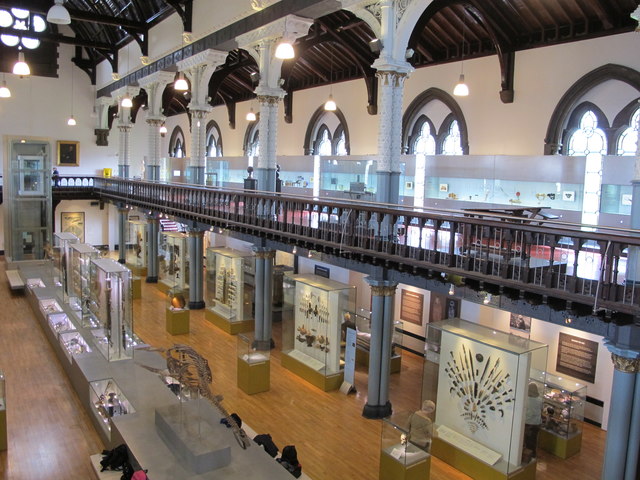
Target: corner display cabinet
<point>312,334</point>
<point>479,379</point>
<point>562,416</point>
<point>230,289</point>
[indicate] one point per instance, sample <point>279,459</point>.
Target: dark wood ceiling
<point>337,47</point>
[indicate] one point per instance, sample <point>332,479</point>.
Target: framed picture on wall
<point>73,222</point>
<point>411,306</point>
<point>442,307</point>
<point>520,322</point>
<point>68,153</point>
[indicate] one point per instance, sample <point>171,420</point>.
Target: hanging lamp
<point>330,104</point>
<point>4,89</point>
<point>21,67</point>
<point>461,89</point>
<point>58,14</point>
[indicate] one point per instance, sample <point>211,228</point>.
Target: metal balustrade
<point>546,258</point>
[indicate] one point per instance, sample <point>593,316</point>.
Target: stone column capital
<point>625,364</point>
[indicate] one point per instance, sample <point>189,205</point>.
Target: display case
<point>230,289</point>
<point>80,292</point>
<point>363,340</point>
<point>73,344</point>
<point>173,257</point>
<point>400,458</point>
<point>481,376</point>
<point>312,336</point>
<point>3,414</point>
<point>562,416</point>
<point>177,311</point>
<point>111,304</point>
<point>33,283</point>
<point>48,306</point>
<point>62,242</point>
<point>137,255</point>
<point>254,364</point>
<point>108,401</point>
<point>60,322</point>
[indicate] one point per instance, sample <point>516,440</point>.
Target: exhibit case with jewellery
<point>230,289</point>
<point>48,306</point>
<point>254,364</point>
<point>312,334</point>
<point>173,261</point>
<point>482,377</point>
<point>111,303</point>
<point>400,457</point>
<point>80,288</point>
<point>3,413</point>
<point>62,242</point>
<point>60,322</point>
<point>562,416</point>
<point>363,340</point>
<point>137,254</point>
<point>108,401</point>
<point>177,316</point>
<point>73,344</point>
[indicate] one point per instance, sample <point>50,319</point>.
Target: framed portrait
<point>73,222</point>
<point>68,153</point>
<point>442,307</point>
<point>411,306</point>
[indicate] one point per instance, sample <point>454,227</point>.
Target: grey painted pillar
<point>383,294</point>
<point>621,450</point>
<point>152,169</point>
<point>124,151</point>
<point>265,167</point>
<point>153,233</point>
<point>198,146</point>
<point>196,266</point>
<point>264,297</point>
<point>123,216</point>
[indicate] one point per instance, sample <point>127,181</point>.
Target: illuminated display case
<point>177,312</point>
<point>363,340</point>
<point>62,242</point>
<point>59,322</point>
<point>479,379</point>
<point>254,364</point>
<point>173,255</point>
<point>562,416</point>
<point>111,304</point>
<point>400,458</point>
<point>137,255</point>
<point>108,401</point>
<point>81,255</point>
<point>73,344</point>
<point>48,306</point>
<point>312,335</point>
<point>230,289</point>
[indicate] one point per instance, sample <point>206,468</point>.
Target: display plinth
<point>559,446</point>
<point>197,443</point>
<point>475,468</point>
<point>362,359</point>
<point>254,376</point>
<point>224,324</point>
<point>392,469</point>
<point>163,287</point>
<point>136,288</point>
<point>314,377</point>
<point>177,321</point>
<point>137,271</point>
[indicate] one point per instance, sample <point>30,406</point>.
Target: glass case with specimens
<point>173,255</point>
<point>62,242</point>
<point>481,377</point>
<point>230,283</point>
<point>363,334</point>
<point>177,299</point>
<point>400,457</point>
<point>111,304</point>
<point>60,322</point>
<point>108,401</point>
<point>48,306</point>
<point>313,334</point>
<point>81,256</point>
<point>137,256</point>
<point>73,344</point>
<point>251,350</point>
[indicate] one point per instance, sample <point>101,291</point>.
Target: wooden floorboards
<point>50,436</point>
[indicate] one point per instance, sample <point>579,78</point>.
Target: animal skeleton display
<point>481,385</point>
<point>192,371</point>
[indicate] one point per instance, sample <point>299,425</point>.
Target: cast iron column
<point>153,229</point>
<point>196,254</point>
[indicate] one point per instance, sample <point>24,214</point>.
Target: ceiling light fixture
<point>251,115</point>
<point>126,101</point>
<point>4,89</point>
<point>461,89</point>
<point>284,50</point>
<point>58,14</point>
<point>21,68</point>
<point>330,104</point>
<point>181,84</point>
<point>163,130</point>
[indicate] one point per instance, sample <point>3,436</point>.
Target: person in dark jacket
<point>265,440</point>
<point>289,460</point>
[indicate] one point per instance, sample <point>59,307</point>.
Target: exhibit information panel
<point>482,378</point>
<point>173,256</point>
<point>81,256</point>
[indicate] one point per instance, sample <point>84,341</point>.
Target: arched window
<point>176,144</point>
<point>323,142</point>
<point>628,139</point>
<point>214,140</point>
<point>587,137</point>
<point>339,142</point>
<point>319,141</point>
<point>423,140</point>
<point>452,142</point>
<point>252,138</point>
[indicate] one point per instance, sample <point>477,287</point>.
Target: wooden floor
<point>51,437</point>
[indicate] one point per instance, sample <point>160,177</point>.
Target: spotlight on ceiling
<point>58,14</point>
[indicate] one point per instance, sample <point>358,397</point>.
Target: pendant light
<point>126,101</point>
<point>251,115</point>
<point>21,68</point>
<point>58,14</point>
<point>284,50</point>
<point>163,130</point>
<point>330,104</point>
<point>461,89</point>
<point>4,89</point>
<point>181,84</point>
<point>71,121</point>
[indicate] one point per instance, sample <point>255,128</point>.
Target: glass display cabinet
<point>481,377</point>
<point>312,336</point>
<point>562,416</point>
<point>230,289</point>
<point>111,303</point>
<point>137,256</point>
<point>108,401</point>
<point>177,311</point>
<point>81,255</point>
<point>400,458</point>
<point>48,306</point>
<point>60,322</point>
<point>363,340</point>
<point>3,414</point>
<point>254,364</point>
<point>349,178</point>
<point>173,255</point>
<point>73,344</point>
<point>62,242</point>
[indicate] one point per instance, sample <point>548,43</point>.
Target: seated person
<point>421,426</point>
<point>289,460</point>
